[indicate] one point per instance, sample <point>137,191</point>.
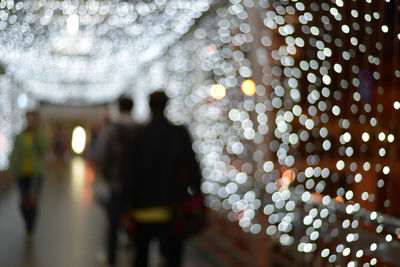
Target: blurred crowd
<point>147,179</point>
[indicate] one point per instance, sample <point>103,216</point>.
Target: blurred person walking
<point>27,166</point>
<point>59,145</point>
<point>164,172</point>
<point>112,159</point>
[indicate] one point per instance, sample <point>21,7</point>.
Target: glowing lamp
<point>73,24</point>
<point>217,91</point>
<point>288,176</point>
<point>339,199</point>
<point>78,141</point>
<point>249,87</point>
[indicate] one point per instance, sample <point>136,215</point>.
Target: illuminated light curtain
<point>88,51</point>
<point>315,149</point>
<point>12,102</point>
<point>332,88</point>
<point>213,57</point>
<point>81,52</point>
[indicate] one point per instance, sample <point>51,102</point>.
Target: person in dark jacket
<point>112,158</point>
<point>165,171</point>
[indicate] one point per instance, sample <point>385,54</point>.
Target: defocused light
<point>381,136</point>
<point>73,24</point>
<point>3,141</point>
<point>249,87</point>
<point>22,101</point>
<point>289,176</point>
<point>390,138</point>
<point>365,137</point>
<point>78,141</point>
<point>317,197</point>
<point>339,199</point>
<point>217,91</point>
<point>91,45</point>
<point>77,175</point>
<point>294,104</point>
<point>211,49</point>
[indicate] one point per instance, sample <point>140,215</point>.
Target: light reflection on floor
<point>82,176</point>
<point>78,177</point>
<point>70,227</point>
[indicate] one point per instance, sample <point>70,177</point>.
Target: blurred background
<point>293,107</point>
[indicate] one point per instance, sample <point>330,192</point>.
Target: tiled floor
<point>70,227</point>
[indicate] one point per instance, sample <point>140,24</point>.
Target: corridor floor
<point>70,229</point>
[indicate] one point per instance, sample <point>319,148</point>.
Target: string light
<point>217,91</point>
<point>305,149</point>
<point>302,107</point>
<point>249,87</point>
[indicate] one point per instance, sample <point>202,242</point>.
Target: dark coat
<point>162,168</point>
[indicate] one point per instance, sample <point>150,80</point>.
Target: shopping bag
<point>189,216</point>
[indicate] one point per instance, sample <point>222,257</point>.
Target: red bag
<point>189,216</point>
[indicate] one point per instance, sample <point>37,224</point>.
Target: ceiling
<point>80,52</point>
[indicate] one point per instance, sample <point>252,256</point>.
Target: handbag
<point>189,216</point>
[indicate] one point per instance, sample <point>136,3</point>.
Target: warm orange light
<point>339,199</point>
<point>217,91</point>
<point>281,184</point>
<point>288,176</point>
<point>278,183</point>
<point>249,87</point>
<point>238,215</point>
<point>211,49</point>
<point>89,174</point>
<point>316,197</point>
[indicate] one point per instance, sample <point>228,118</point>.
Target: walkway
<point>70,228</point>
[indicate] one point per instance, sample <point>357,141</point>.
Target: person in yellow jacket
<point>27,166</point>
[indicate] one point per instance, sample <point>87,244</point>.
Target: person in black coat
<point>165,173</point>
<point>115,139</point>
